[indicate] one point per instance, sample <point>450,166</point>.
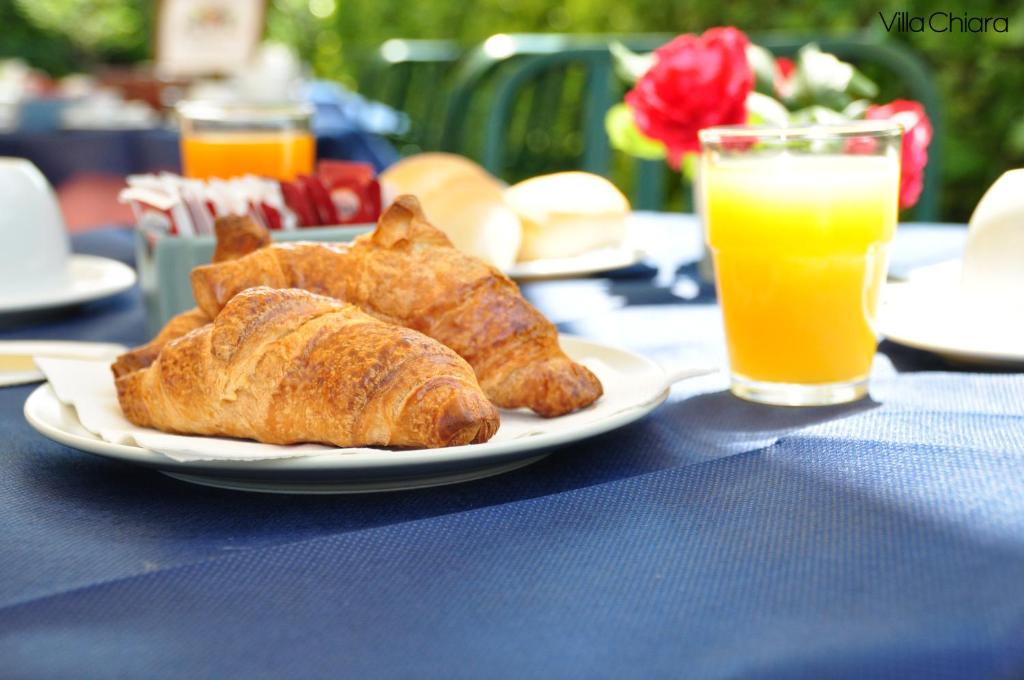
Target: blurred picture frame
<point>206,37</point>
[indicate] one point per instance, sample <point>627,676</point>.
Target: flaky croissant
<point>144,355</point>
<point>287,366</point>
<point>407,272</point>
<point>237,236</point>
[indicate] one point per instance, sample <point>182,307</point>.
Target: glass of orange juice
<point>798,222</point>
<point>229,140</point>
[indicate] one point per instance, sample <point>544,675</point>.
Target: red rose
<point>695,82</point>
<point>785,69</point>
<point>917,133</point>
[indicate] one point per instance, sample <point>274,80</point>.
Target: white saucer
<point>89,278</point>
<point>641,386</point>
<point>930,312</point>
<point>592,262</point>
<point>50,348</point>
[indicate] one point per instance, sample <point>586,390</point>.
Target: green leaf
<point>862,86</point>
<point>765,110</point>
<point>629,65</point>
<point>689,165</point>
<point>762,63</point>
<point>856,109</point>
<point>818,115</point>
<point>822,79</point>
<point>625,136</point>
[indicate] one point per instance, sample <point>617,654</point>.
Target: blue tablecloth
<point>714,539</point>
<point>61,155</point>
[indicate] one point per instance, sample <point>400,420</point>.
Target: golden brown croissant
<point>407,272</point>
<point>287,366</point>
<point>237,236</point>
<point>143,356</point>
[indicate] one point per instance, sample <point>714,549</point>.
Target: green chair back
<point>542,101</point>
<point>413,76</point>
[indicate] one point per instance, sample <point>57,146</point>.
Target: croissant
<point>407,272</point>
<point>237,236</point>
<point>288,366</point>
<point>143,356</point>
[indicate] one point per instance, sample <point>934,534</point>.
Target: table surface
<point>713,539</point>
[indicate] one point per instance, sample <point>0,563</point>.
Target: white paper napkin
<point>88,387</point>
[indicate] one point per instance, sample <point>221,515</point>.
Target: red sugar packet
<point>339,193</point>
<point>353,190</point>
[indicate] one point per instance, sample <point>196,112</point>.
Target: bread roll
<point>428,172</point>
<point>461,199</point>
<point>567,213</point>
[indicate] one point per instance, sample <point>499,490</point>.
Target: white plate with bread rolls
<point>633,387</point>
<point>557,225</point>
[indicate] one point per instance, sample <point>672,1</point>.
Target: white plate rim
<point>903,333</point>
<point>118,277</point>
<point>604,259</point>
<point>366,462</point>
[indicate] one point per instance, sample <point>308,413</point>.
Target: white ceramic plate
<point>592,262</point>
<point>644,387</point>
<point>90,278</point>
<point>930,312</point>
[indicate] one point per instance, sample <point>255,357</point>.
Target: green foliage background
<point>981,75</point>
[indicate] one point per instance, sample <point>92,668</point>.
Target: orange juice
<point>281,155</point>
<point>800,251</point>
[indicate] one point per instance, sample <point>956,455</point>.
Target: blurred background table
<point>88,167</point>
<point>63,154</point>
<point>714,539</point>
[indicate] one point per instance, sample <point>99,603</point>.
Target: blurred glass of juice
<point>799,222</point>
<point>225,140</point>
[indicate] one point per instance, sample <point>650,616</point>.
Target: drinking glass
<point>230,140</point>
<point>798,221</point>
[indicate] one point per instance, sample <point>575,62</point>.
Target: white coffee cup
<point>34,248</point>
<point>993,270</point>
